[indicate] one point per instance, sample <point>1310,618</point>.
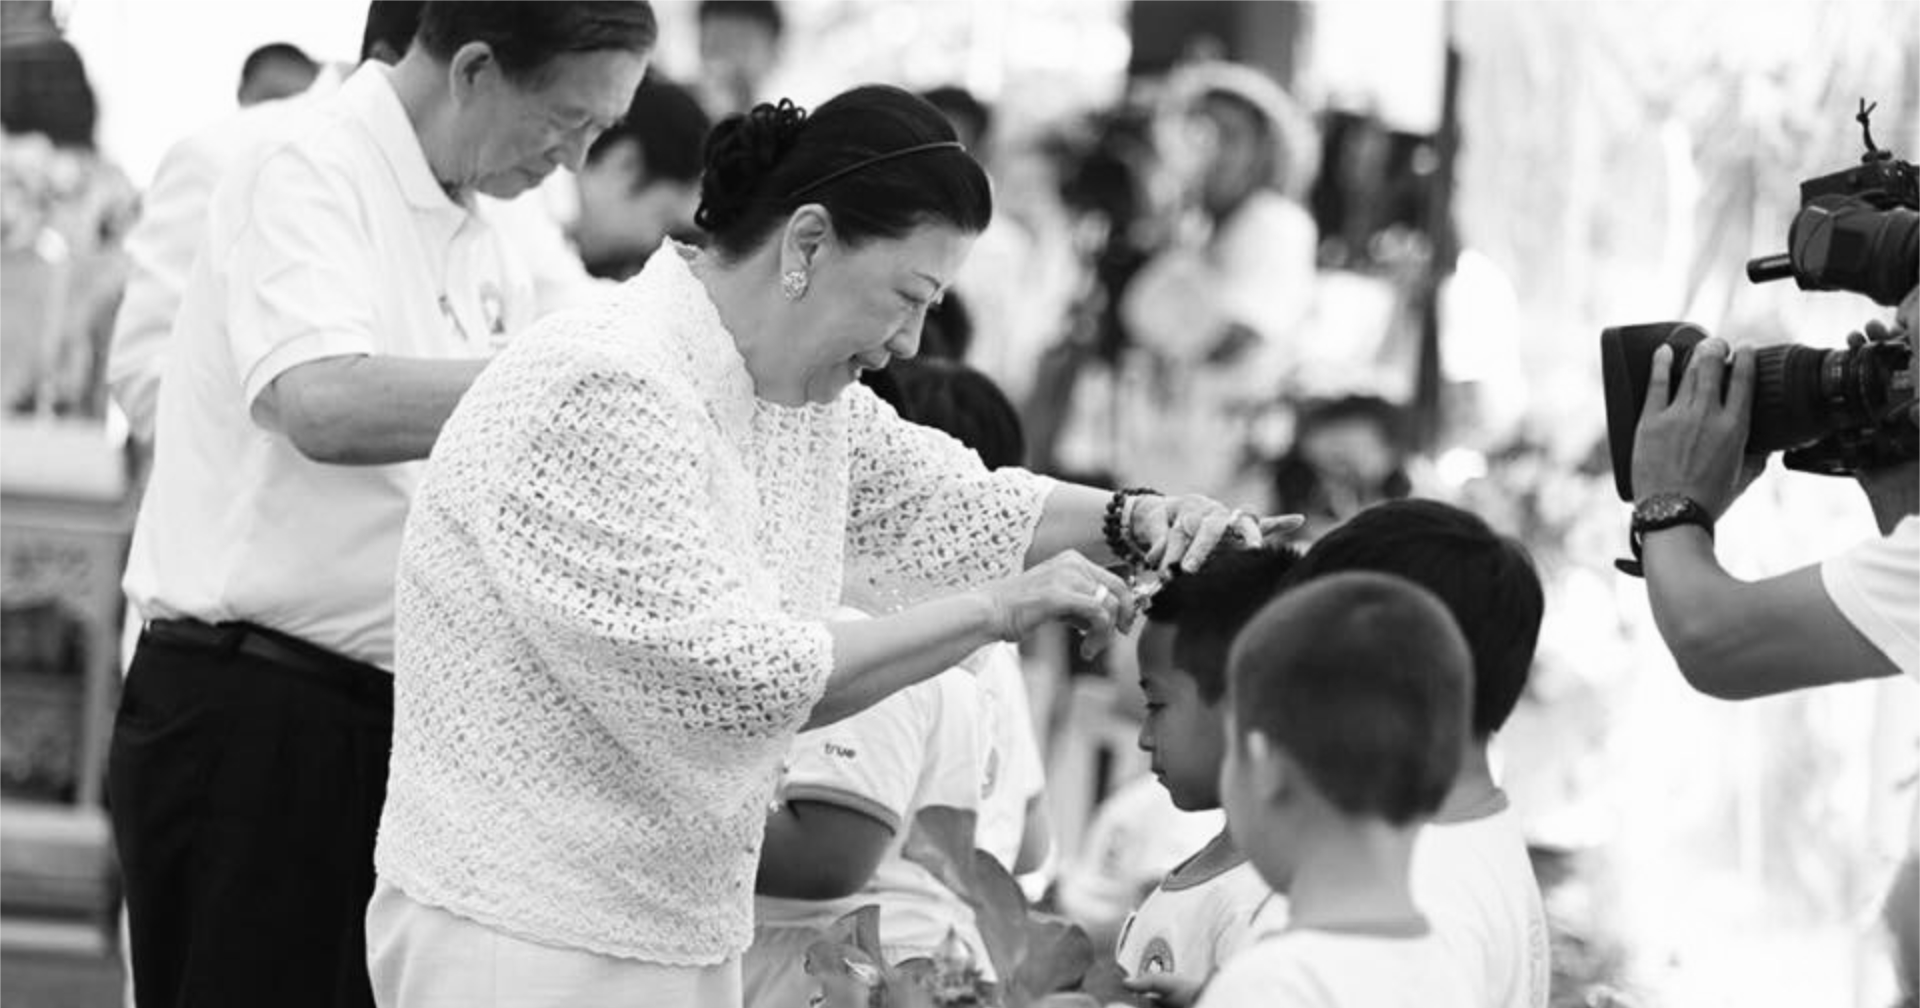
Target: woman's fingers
<point>1276,526</point>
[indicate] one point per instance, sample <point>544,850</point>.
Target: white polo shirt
<point>1876,586</point>
<point>334,241</point>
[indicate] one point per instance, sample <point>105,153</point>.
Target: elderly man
<point>350,288</point>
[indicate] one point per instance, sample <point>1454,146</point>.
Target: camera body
<point>1834,412</point>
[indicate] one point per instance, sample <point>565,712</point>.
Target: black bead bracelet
<point>1120,539</point>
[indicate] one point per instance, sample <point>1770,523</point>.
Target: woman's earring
<point>793,284</point>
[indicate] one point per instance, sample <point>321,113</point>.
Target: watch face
<point>1661,507</point>
<point>1664,510</point>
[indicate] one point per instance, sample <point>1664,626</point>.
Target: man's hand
<point>1692,440</point>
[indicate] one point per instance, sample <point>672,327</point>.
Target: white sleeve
<point>1876,586</point>
<point>1265,976</point>
<point>924,515</point>
<point>300,270</point>
<point>599,530</point>
<point>160,253</point>
<point>870,762</point>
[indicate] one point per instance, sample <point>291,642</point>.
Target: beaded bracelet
<point>1114,527</point>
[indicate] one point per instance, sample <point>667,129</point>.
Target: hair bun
<point>741,152</point>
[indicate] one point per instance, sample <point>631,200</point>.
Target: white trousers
<point>424,957</point>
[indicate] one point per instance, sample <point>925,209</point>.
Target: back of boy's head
<point>952,397</point>
<point>1209,606</point>
<point>1362,679</point>
<point>1486,580</point>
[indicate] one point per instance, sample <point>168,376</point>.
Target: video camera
<point>1834,412</point>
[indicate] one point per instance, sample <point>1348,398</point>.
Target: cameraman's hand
<point>1691,440</point>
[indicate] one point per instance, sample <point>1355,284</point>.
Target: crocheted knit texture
<point>610,618</point>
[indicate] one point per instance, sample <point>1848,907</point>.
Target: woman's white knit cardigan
<point>611,603</point>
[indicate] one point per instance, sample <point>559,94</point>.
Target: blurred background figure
<point>641,181</point>
<point>740,43</point>
<point>1212,313</point>
<point>276,70</point>
<point>65,211</point>
<point>1348,454</point>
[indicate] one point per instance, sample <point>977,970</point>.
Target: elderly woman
<point>615,591</point>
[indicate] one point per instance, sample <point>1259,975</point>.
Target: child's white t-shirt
<point>1876,586</point>
<point>1013,770</point>
<point>1195,920</point>
<point>1136,837</point>
<point>916,749</point>
<point>1473,880</point>
<point>1326,969</point>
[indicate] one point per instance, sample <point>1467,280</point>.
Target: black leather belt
<point>287,651</point>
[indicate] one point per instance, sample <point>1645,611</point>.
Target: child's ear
<point>1269,770</point>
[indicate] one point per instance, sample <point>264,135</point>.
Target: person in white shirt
<point>616,589</point>
<point>172,227</point>
<point>1471,872</point>
<point>346,296</point>
<point>850,797</point>
<point>1851,618</point>
<point>1348,704</point>
<point>1203,911</point>
<point>1211,315</point>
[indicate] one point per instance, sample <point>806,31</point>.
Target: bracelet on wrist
<point>1117,528</point>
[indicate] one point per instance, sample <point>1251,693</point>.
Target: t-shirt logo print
<point>839,751</point>
<point>1158,957</point>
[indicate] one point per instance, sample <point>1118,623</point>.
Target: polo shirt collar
<point>369,96</point>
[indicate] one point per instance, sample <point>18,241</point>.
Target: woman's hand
<point>1186,530</point>
<point>1070,588</point>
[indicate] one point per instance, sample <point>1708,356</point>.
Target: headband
<point>877,159</point>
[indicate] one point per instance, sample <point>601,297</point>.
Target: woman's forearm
<point>1071,519</point>
<point>874,658</point>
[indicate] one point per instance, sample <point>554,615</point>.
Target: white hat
<point>1296,139</point>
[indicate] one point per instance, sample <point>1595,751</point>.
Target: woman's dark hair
<point>952,397</point>
<point>763,165</point>
<point>526,36</point>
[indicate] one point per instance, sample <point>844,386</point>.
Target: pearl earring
<point>793,284</point>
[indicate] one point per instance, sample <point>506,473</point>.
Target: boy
<point>1203,911</point>
<point>849,799</point>
<point>1347,706</point>
<point>1471,873</point>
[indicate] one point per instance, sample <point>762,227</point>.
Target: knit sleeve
<point>613,569</point>
<point>925,516</point>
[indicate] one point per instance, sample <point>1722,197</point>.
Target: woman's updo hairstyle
<point>764,164</point>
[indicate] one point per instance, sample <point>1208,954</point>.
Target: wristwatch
<point>1661,511</point>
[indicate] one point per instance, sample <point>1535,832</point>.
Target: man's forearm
<point>369,410</point>
<point>1735,639</point>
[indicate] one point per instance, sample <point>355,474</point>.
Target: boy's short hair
<point>953,397</point>
<point>766,12</point>
<point>1208,607</point>
<point>1486,580</point>
<point>1362,679</point>
<point>667,125</point>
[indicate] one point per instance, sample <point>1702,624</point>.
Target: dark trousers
<point>245,783</point>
